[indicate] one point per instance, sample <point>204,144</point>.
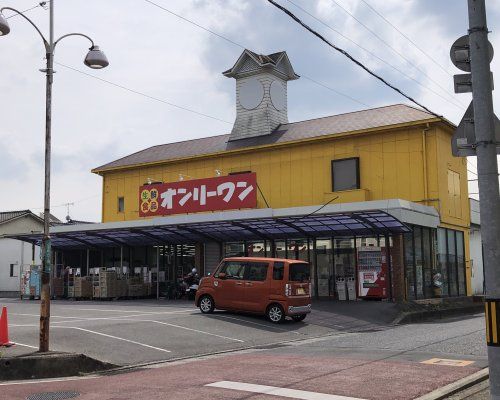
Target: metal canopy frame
<point>366,223</point>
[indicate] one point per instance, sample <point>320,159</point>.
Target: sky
<point>171,61</point>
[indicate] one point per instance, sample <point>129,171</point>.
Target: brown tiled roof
<point>335,124</point>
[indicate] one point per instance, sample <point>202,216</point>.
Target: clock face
<point>251,93</point>
<point>277,92</point>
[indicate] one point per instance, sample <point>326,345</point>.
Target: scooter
<point>191,283</point>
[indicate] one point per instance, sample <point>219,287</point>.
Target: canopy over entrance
<point>333,220</point>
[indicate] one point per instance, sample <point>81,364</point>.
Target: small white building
<point>476,249</point>
<point>16,253</point>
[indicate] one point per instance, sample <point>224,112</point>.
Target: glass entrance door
<point>344,261</point>
<point>324,265</point>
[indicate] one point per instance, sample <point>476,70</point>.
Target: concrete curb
<point>455,387</point>
<point>48,365</point>
<point>409,317</point>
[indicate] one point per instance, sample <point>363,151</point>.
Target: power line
<point>243,47</point>
<point>41,4</point>
<point>169,103</point>
<point>406,37</point>
<point>335,90</point>
<point>412,64</point>
<point>346,54</point>
<point>143,94</point>
<point>374,55</point>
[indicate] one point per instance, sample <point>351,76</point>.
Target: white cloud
<point>161,55</point>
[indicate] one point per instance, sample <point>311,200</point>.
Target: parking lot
<point>134,332</point>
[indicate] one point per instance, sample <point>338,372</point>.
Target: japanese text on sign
<point>212,194</point>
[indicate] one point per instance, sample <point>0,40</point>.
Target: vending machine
<point>372,272</point>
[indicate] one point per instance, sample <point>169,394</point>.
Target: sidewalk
<point>316,368</point>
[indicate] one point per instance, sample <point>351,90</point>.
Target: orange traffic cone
<point>4,329</point>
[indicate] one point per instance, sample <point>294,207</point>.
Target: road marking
<point>143,320</point>
<point>259,324</point>
<point>98,318</point>
<point>277,391</point>
<point>113,337</point>
<point>135,311</point>
<point>25,345</point>
<point>38,315</point>
<point>196,330</point>
<point>447,362</point>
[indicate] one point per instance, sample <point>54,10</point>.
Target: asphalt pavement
<point>304,360</point>
<point>131,333</point>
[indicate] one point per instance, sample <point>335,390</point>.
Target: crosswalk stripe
<point>277,391</point>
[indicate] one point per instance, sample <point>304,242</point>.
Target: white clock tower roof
<point>261,93</point>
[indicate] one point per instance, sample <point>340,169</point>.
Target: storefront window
<point>344,257</point>
<point>256,249</point>
<point>280,248</point>
<point>234,249</point>
<point>326,283</point>
<point>419,267</point>
<point>428,263</point>
<point>462,290</point>
<point>452,264</point>
<point>185,259</point>
<point>409,265</point>
<point>442,263</point>
<point>302,249</point>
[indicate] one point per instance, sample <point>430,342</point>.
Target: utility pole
<point>487,169</point>
<point>46,250</point>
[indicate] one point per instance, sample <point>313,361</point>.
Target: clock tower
<point>261,93</point>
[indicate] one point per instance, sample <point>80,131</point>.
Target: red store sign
<point>197,195</point>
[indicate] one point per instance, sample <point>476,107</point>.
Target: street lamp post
<point>95,59</point>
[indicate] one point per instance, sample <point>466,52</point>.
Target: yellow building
<point>372,199</point>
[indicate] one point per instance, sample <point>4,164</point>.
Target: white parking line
<point>133,320</point>
<point>25,345</point>
<point>277,391</point>
<point>196,330</point>
<point>98,318</point>
<point>135,311</point>
<point>114,337</point>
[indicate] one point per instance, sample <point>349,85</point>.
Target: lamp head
<point>96,58</point>
<point>4,26</point>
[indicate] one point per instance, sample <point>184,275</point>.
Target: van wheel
<point>275,313</point>
<point>298,318</point>
<point>207,305</point>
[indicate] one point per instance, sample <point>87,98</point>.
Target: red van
<point>272,286</point>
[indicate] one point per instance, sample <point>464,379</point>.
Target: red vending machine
<point>372,272</point>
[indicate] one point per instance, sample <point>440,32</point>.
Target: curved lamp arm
<point>74,34</point>
<point>47,46</point>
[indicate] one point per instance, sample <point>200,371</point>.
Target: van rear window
<point>299,272</point>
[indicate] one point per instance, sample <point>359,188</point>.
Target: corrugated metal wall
<point>212,256</point>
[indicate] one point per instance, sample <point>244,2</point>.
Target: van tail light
<point>288,289</point>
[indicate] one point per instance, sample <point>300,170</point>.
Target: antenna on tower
<point>68,218</point>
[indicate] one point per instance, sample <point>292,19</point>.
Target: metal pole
<point>487,168</point>
<point>88,262</point>
<point>157,272</point>
<point>46,267</point>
